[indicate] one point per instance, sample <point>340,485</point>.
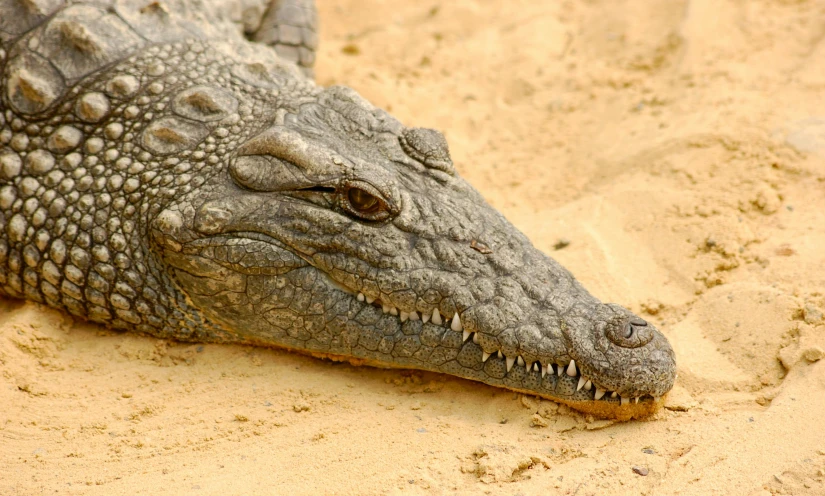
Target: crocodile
<point>171,168</point>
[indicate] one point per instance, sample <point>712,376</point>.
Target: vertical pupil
<point>361,200</point>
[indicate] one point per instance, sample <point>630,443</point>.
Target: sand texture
<point>677,145</point>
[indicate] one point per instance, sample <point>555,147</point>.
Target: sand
<point>679,148</point>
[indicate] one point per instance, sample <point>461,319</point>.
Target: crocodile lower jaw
<point>602,403</point>
<point>561,369</point>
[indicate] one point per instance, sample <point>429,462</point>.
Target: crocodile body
<point>171,168</point>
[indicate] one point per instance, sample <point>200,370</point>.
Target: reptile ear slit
<point>319,189</point>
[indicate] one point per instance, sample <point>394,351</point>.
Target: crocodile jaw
<point>561,348</point>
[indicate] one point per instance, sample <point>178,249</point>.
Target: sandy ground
<point>678,146</point>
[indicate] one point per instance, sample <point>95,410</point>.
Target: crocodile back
<point>93,143</point>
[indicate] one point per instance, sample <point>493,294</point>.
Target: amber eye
<point>363,201</point>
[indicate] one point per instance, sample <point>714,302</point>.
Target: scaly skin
<point>161,173</point>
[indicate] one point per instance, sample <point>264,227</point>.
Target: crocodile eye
<point>364,201</point>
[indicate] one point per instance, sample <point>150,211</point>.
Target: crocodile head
<point>330,228</point>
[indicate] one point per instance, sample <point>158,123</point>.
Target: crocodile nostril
<point>628,331</point>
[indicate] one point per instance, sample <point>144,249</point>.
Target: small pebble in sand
<point>561,243</point>
<point>538,421</point>
<point>643,471</point>
<point>811,315</point>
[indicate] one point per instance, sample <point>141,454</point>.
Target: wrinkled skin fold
<point>201,190</point>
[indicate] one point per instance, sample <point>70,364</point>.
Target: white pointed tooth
<point>475,337</point>
<point>510,362</point>
<point>520,361</point>
<point>636,399</point>
<point>456,323</point>
<point>370,300</point>
<point>535,367</point>
<point>543,370</point>
<point>404,316</point>
<point>484,356</point>
<point>361,297</point>
<point>500,354</point>
<point>582,380</point>
<point>414,315</point>
<point>465,335</point>
<point>436,317</point>
<point>385,308</point>
<point>560,370</point>
<point>588,385</point>
<point>599,393</point>
<point>614,394</point>
<point>624,400</point>
<point>425,317</point>
<point>656,398</point>
<point>571,369</point>
<point>393,311</point>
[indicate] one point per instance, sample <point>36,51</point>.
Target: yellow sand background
<point>679,147</point>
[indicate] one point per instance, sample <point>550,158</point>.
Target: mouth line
<point>568,371</point>
<point>552,375</point>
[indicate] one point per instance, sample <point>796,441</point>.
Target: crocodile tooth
<point>500,354</point>
<point>385,308</point>
<point>520,361</point>
<point>543,370</point>
<point>475,337</point>
<point>425,317</point>
<point>465,335</point>
<point>456,323</point>
<point>560,369</point>
<point>404,316</point>
<point>484,356</point>
<point>535,367</point>
<point>393,311</point>
<point>436,317</point>
<point>414,315</point>
<point>361,297</point>
<point>624,400</point>
<point>614,394</point>
<point>588,385</point>
<point>510,362</point>
<point>582,380</point>
<point>599,393</point>
<point>571,369</point>
<point>370,300</point>
<point>636,399</point>
<point>656,398</point>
